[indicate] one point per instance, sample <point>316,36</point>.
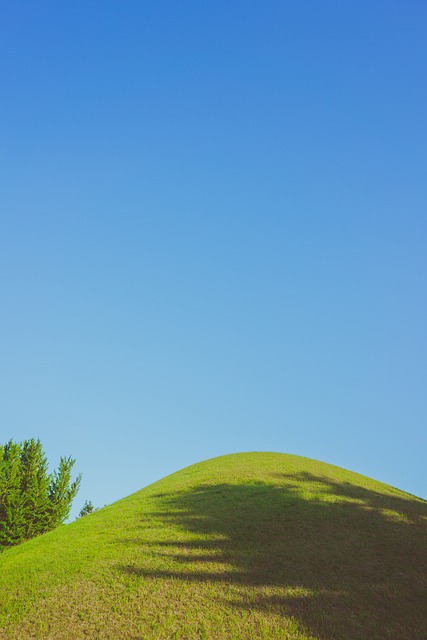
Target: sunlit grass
<point>244,546</point>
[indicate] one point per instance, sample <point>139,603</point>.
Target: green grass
<point>251,545</point>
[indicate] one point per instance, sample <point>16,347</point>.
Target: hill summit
<point>249,545</point>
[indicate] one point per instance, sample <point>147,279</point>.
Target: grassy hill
<point>251,545</point>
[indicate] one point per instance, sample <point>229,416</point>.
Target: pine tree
<point>86,509</point>
<point>12,522</point>
<point>61,493</point>
<point>35,487</point>
<point>32,501</point>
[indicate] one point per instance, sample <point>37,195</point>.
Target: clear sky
<point>213,233</point>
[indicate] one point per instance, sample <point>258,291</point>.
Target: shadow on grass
<point>346,562</point>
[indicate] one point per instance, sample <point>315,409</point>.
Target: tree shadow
<point>345,561</point>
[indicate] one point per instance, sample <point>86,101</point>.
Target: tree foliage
<point>32,501</point>
<point>86,509</point>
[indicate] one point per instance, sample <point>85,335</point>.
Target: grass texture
<point>249,545</point>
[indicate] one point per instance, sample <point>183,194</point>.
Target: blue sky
<point>213,235</point>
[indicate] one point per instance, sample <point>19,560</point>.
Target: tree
<point>11,503</point>
<point>35,488</point>
<point>86,509</point>
<point>32,501</point>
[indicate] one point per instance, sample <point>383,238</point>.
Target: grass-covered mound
<point>252,545</point>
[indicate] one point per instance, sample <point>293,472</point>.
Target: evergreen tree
<point>61,492</point>
<point>35,488</point>
<point>31,500</point>
<point>12,528</point>
<point>86,509</point>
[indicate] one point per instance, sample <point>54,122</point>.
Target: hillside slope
<point>251,545</point>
